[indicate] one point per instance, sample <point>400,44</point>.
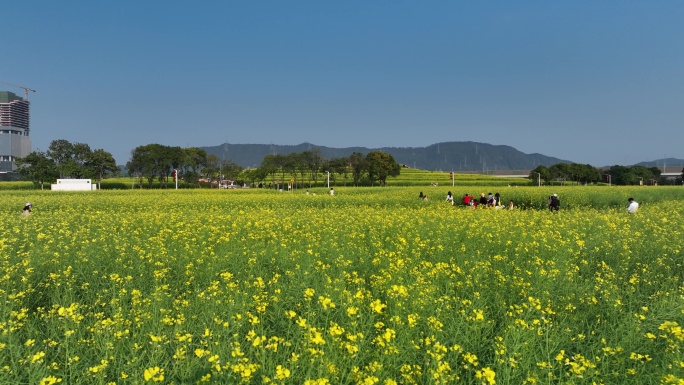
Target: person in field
<point>554,202</point>
<point>27,209</point>
<point>450,198</point>
<point>467,199</point>
<point>633,206</point>
<point>510,205</point>
<point>332,192</point>
<point>497,201</point>
<point>490,200</point>
<point>483,200</point>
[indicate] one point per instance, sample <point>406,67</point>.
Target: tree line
<point>584,174</point>
<point>309,166</point>
<point>154,163</point>
<point>64,159</point>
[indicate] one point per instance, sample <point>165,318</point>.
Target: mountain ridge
<point>444,156</point>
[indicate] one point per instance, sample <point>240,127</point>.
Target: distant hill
<point>666,165</point>
<point>668,162</point>
<point>446,156</point>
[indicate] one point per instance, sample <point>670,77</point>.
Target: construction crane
<point>26,89</point>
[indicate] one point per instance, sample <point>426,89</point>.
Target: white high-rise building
<point>14,130</point>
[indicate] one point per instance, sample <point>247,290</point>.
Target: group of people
<point>489,200</point>
<point>554,204</point>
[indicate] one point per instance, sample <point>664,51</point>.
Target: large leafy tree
<point>62,153</point>
<point>561,172</point>
<point>139,163</point>
<point>584,173</point>
<point>270,166</point>
<point>357,162</point>
<point>291,164</point>
<point>38,167</point>
<point>70,158</point>
<point>632,175</point>
<point>339,166</point>
<point>540,173</point>
<point>380,166</point>
<point>313,161</point>
<point>213,167</point>
<point>194,160</point>
<point>155,161</point>
<point>230,169</point>
<point>77,160</point>
<point>620,175</point>
<point>101,163</point>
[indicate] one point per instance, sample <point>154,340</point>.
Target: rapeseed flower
<point>154,374</point>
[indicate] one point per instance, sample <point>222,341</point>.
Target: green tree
<point>540,173</point>
<point>255,175</point>
<point>620,175</point>
<point>79,161</point>
<point>231,170</point>
<point>194,160</point>
<point>380,166</point>
<point>38,167</point>
<point>155,161</point>
<point>140,163</point>
<point>62,153</point>
<point>313,160</point>
<point>561,172</point>
<point>584,173</point>
<point>358,165</point>
<point>641,173</point>
<point>339,166</point>
<point>101,162</point>
<point>71,159</point>
<point>270,166</point>
<point>291,163</point>
<point>213,168</point>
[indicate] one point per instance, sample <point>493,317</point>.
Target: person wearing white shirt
<point>633,206</point>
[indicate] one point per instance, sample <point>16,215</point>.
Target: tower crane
<point>26,89</point>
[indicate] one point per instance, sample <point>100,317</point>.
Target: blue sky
<point>586,81</point>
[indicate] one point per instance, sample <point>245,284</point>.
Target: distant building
<point>14,130</point>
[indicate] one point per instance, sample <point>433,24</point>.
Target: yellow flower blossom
<point>154,374</point>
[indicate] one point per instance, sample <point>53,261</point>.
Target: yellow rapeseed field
<point>371,286</point>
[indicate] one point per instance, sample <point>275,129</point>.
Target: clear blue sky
<point>598,82</point>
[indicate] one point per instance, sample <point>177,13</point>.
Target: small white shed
<point>74,185</point>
